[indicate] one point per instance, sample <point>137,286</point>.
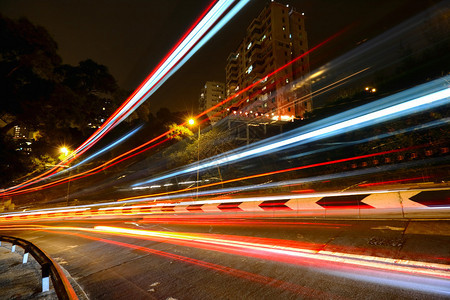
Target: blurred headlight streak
<point>409,274</point>
<point>112,145</point>
<point>367,58</point>
<point>254,277</point>
<point>267,185</point>
<point>432,124</point>
<point>288,252</point>
<point>129,154</point>
<point>214,17</point>
<point>175,57</point>
<point>95,170</point>
<point>422,97</point>
<point>200,44</point>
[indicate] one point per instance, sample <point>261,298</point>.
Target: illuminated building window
<point>284,27</point>
<point>249,45</point>
<point>249,70</point>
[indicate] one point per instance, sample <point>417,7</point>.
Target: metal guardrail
<point>61,284</point>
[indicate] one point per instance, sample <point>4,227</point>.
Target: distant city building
<point>276,37</point>
<point>21,132</point>
<point>212,93</point>
<point>23,139</point>
<point>102,114</point>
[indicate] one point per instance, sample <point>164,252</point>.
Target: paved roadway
<point>203,259</point>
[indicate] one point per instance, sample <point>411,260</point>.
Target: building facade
<point>212,93</point>
<point>273,40</point>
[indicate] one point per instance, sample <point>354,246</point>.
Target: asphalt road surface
<point>248,259</point>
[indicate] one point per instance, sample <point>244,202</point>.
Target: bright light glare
<point>274,248</point>
<point>64,150</point>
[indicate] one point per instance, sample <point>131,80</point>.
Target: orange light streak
<point>287,251</point>
<point>95,170</point>
<point>257,278</point>
<point>77,152</point>
<point>69,159</point>
<point>282,250</point>
<point>270,173</point>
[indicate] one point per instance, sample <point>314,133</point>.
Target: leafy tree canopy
<point>63,103</point>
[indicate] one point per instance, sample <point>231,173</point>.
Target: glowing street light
<point>64,151</point>
<point>191,122</point>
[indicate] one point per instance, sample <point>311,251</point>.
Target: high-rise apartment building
<point>212,93</point>
<point>273,39</point>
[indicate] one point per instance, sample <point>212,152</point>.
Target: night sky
<point>130,37</point>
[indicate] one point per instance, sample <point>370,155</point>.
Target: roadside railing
<point>49,267</point>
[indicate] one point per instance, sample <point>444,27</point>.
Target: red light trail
<point>10,191</point>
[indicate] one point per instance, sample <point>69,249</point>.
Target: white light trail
<point>219,14</point>
<point>174,59</point>
<point>433,99</point>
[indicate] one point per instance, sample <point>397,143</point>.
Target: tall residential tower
<point>273,39</point>
<point>211,94</point>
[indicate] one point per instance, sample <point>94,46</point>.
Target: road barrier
<point>49,267</point>
<point>392,204</point>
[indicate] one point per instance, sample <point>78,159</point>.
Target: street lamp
<point>191,122</point>
<point>65,151</point>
